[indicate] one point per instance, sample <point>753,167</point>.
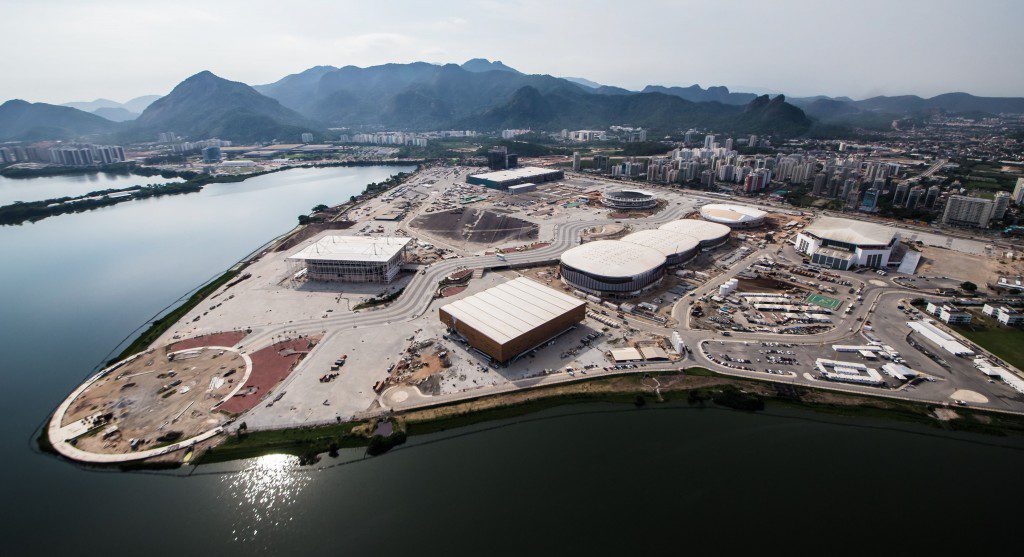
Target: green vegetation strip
<point>161,325</point>
<point>299,442</point>
<point>1005,342</point>
<point>379,301</point>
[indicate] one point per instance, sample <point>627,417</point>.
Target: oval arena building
<point>675,246</point>
<point>629,199</point>
<point>733,216</point>
<point>612,267</point>
<point>707,234</point>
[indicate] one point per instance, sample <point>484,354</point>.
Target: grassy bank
<point>1005,342</point>
<point>298,442</point>
<point>161,325</point>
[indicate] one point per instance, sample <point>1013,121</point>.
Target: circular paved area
<point>153,403</point>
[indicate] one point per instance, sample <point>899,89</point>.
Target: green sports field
<point>824,301</point>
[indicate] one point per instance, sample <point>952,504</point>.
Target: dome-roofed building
<point>707,234</point>
<point>629,199</point>
<point>612,267</point>
<point>675,246</point>
<point>733,216</point>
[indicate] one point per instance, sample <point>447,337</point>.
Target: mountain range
<point>113,110</point>
<point>481,94</point>
<point>478,94</point>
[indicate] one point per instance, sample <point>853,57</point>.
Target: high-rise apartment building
<point>968,211</point>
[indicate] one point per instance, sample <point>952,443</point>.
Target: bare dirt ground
<point>152,398</point>
<point>979,269</point>
<point>476,226</point>
<point>270,366</point>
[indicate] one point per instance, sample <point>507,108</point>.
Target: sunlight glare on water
<point>264,492</point>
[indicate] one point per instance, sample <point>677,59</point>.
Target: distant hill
<point>584,82</point>
<point>612,90</point>
<point>948,102</point>
<point>477,65</point>
<point>92,106</point>
<point>205,105</point>
<point>293,90</point>
<point>138,104</point>
<point>878,112</point>
<point>825,108</point>
<point>22,120</point>
<point>113,110</point>
<point>115,114</point>
<point>696,93</point>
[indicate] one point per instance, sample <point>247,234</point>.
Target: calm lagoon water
<point>50,187</point>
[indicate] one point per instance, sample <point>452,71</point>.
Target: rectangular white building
<point>341,258</point>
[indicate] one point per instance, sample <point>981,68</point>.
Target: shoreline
<point>695,386</point>
<point>33,211</point>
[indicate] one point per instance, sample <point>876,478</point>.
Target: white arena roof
<point>338,247</point>
<point>667,242</point>
<point>727,213</point>
<point>511,309</point>
<point>515,173</point>
<point>851,231</point>
<point>705,232</point>
<point>613,258</point>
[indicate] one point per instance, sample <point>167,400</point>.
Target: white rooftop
<point>667,242</point>
<point>726,212</point>
<point>851,231</point>
<point>339,247</point>
<point>511,309</point>
<point>702,230</point>
<point>613,258</point>
<point>515,173</point>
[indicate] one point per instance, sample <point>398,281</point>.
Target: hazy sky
<point>59,50</point>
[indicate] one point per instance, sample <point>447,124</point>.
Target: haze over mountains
<point>113,110</point>
<point>479,94</point>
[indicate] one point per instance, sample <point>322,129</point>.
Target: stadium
<point>676,247</point>
<point>845,243</point>
<point>707,234</point>
<point>629,199</point>
<point>612,267</point>
<point>733,216</point>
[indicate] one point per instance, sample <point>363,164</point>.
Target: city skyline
<point>799,48</point>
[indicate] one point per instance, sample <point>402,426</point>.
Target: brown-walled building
<point>512,318</point>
